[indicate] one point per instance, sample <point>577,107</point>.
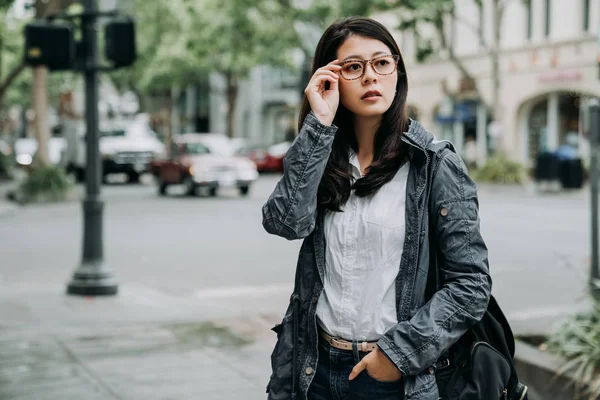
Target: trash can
<point>570,172</point>
<point>546,167</point>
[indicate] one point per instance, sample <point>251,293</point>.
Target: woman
<point>358,183</point>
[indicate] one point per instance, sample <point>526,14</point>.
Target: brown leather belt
<point>346,345</point>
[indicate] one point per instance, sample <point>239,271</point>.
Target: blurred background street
<point>190,251</point>
<point>139,141</point>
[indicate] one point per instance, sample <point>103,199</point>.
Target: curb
<point>539,371</point>
<point>7,208</point>
<point>7,211</point>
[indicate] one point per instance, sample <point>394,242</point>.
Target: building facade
<point>548,69</point>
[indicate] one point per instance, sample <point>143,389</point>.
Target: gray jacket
<point>437,181</point>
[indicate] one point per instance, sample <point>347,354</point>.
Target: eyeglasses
<point>355,69</point>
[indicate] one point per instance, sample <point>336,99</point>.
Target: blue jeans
<point>331,378</point>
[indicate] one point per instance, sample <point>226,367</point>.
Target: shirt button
<point>308,371</point>
<point>444,212</point>
<point>431,370</point>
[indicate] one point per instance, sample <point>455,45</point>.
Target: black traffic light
<point>119,36</point>
<point>49,44</point>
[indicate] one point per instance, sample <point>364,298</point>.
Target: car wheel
<point>191,189</point>
<point>244,190</point>
<point>79,174</point>
<point>162,188</point>
<point>212,192</point>
<point>133,177</point>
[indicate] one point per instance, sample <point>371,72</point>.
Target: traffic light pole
<point>92,277</point>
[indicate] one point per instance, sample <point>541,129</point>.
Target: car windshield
<point>112,133</point>
<point>195,148</point>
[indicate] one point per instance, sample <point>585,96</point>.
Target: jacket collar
<point>417,136</point>
<point>418,140</point>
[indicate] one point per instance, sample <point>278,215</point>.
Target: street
<point>182,260</point>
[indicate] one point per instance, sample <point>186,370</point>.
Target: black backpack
<point>480,365</point>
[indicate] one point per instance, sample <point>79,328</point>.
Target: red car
<point>195,166</point>
<point>267,160</point>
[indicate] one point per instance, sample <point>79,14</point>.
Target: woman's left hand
<point>378,366</point>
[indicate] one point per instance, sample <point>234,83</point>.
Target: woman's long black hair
<point>389,150</point>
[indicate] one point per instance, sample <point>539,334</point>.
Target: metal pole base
<point>91,279</point>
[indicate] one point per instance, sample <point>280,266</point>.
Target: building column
<point>523,130</point>
<point>175,116</point>
<point>482,142</point>
<point>552,133</point>
<point>255,105</point>
<point>459,137</point>
<point>190,108</point>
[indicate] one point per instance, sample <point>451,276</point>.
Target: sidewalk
<point>55,346</point>
<point>139,345</point>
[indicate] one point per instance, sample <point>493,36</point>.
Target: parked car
<point>196,166</point>
<point>126,146</point>
<point>266,159</point>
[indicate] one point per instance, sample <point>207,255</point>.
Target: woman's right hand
<point>324,103</point>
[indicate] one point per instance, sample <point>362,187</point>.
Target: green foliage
<point>500,169</point>
<point>180,41</point>
<point>6,166</point>
<point>424,51</point>
<point>45,183</point>
<point>578,342</point>
<point>5,4</point>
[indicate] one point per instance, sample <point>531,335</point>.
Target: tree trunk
<point>454,59</point>
<point>40,107</point>
<point>175,116</point>
<point>232,94</point>
<point>168,116</point>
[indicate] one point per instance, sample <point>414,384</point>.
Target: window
<point>586,15</point>
<point>547,22</point>
<point>115,133</point>
<point>481,22</point>
<point>195,148</point>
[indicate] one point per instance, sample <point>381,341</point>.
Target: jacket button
<point>308,371</point>
<point>315,299</point>
<point>444,212</point>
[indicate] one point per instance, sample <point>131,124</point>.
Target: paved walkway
<point>125,353</point>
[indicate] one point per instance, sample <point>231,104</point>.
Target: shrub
<point>578,342</point>
<point>45,183</point>
<point>6,166</point>
<point>500,169</point>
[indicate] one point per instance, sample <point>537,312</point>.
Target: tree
<point>415,14</point>
<point>235,36</point>
<point>11,43</point>
<point>164,64</point>
<point>40,77</point>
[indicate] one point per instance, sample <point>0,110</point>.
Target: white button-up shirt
<point>364,246</point>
